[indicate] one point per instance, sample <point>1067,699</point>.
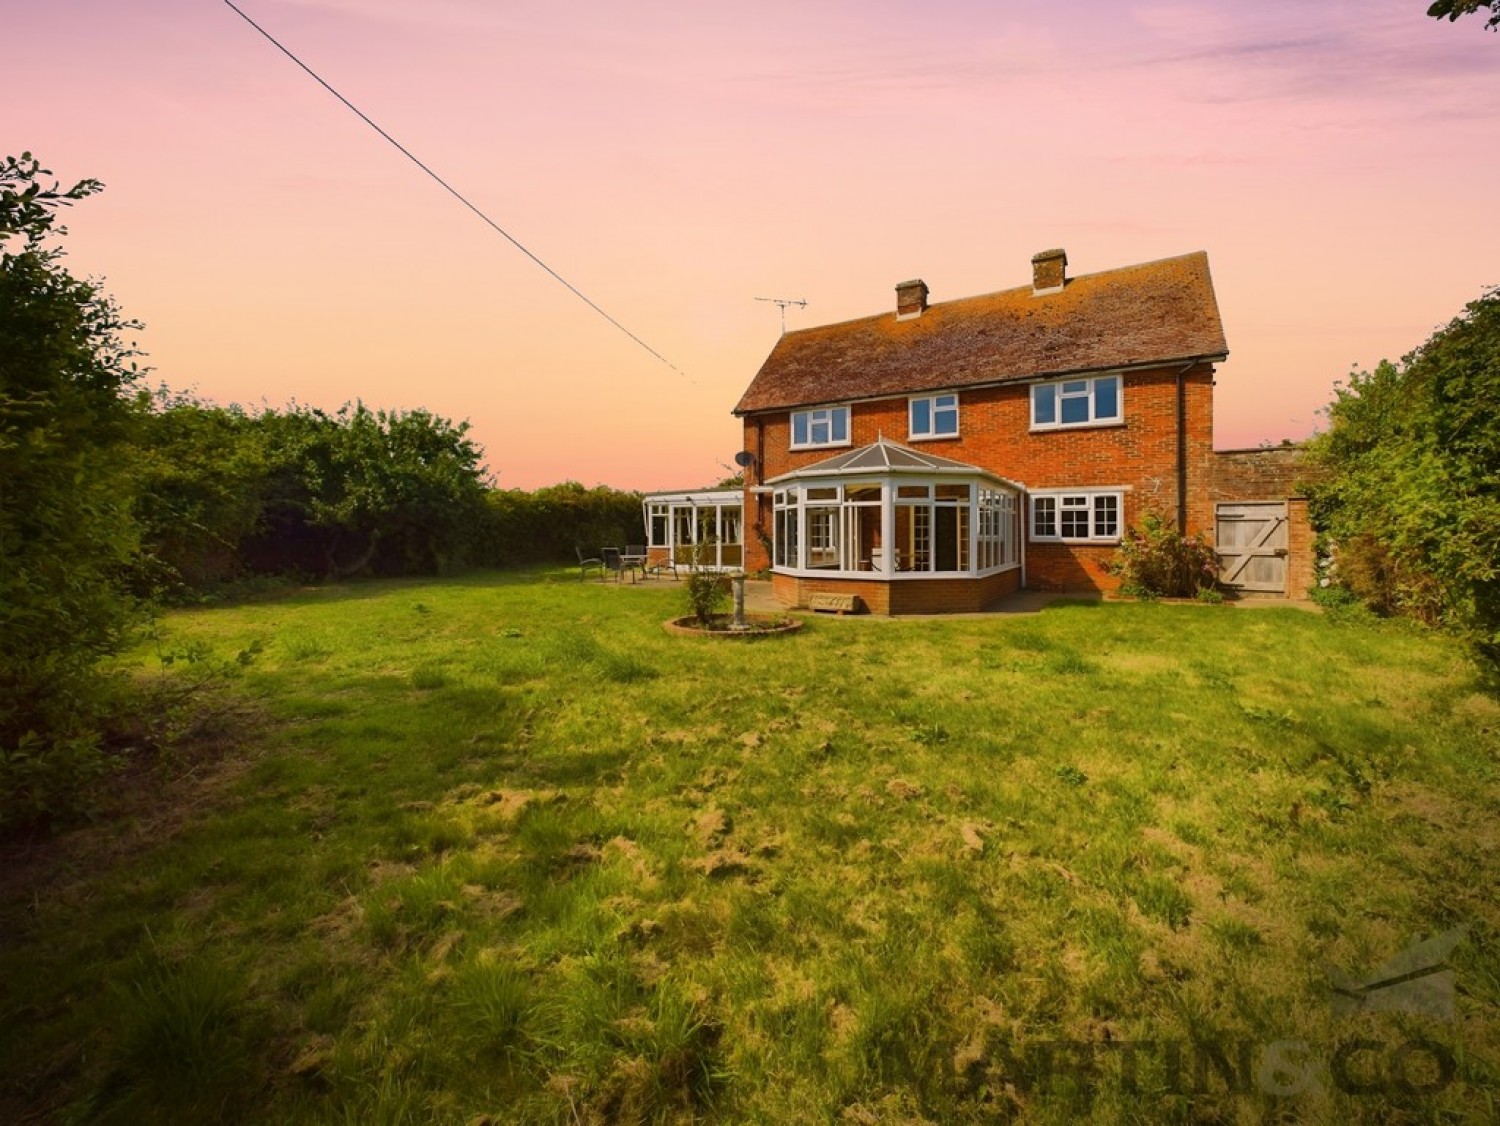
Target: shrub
<point>1155,560</point>
<point>707,592</point>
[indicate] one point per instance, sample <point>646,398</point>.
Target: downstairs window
<point>1083,516</point>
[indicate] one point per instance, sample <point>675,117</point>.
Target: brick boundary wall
<point>1274,473</point>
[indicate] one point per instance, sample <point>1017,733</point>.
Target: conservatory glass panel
<point>822,537</point>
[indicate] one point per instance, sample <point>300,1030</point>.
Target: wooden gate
<point>1251,542</point>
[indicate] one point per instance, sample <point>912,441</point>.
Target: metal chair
<point>614,562</point>
<point>585,564</point>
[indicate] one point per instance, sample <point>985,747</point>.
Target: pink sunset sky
<point>1337,159</point>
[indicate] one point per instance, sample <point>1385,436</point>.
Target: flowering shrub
<point>1155,560</point>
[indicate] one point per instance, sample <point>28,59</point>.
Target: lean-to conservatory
<point>695,529</point>
<point>904,531</point>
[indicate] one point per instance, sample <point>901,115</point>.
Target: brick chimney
<point>911,299</point>
<point>1049,272</point>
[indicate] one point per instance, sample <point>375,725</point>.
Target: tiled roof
<point>1154,312</point>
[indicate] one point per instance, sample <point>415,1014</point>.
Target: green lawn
<point>501,849</point>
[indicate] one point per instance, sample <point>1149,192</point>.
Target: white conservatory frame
<point>943,518</point>
<point>703,529</point>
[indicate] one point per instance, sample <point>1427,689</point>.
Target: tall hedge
<point>1412,504</point>
<point>545,526</point>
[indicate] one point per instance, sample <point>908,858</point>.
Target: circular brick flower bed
<point>722,625</point>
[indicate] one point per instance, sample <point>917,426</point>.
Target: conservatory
<point>903,531</point>
<point>695,529</point>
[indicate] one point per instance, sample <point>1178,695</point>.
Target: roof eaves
<point>1029,377</point>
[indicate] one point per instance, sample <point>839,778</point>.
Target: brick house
<point>937,457</point>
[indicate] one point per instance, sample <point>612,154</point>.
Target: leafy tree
<point>305,492</point>
<point>395,492</point>
<point>1413,499</point>
<point>68,543</point>
<point>1452,9</point>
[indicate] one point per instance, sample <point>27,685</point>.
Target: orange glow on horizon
<point>677,161</point>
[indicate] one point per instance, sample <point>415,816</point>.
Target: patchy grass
<point>502,847</point>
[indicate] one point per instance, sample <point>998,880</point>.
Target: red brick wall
<point>792,591</point>
<point>1055,566</point>
<point>1302,558</point>
<point>1270,473</point>
<point>995,434</point>
<point>903,596</point>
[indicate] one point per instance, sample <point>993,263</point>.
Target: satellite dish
<point>744,459</point>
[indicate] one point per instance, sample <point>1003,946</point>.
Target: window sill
<point>1053,427</point>
<point>821,446</point>
<point>1115,542</point>
<point>933,437</point>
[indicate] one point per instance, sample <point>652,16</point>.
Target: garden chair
<point>667,566</point>
<point>585,564</point>
<point>613,561</point>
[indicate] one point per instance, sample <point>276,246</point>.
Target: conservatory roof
<point>883,457</point>
<point>702,497</point>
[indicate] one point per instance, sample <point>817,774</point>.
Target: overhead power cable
<point>454,192</point>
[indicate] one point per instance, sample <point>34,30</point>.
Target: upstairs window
<point>1076,402</point>
<point>826,426</point>
<point>933,417</point>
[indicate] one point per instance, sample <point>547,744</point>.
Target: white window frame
<point>1088,392</point>
<point>995,536</point>
<point>820,417</point>
<point>947,404</point>
<point>1097,503</point>
<point>658,510</point>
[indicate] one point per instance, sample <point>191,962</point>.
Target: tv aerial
<point>782,303</point>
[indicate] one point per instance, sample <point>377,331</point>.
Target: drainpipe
<point>760,479</point>
<point>1182,482</point>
